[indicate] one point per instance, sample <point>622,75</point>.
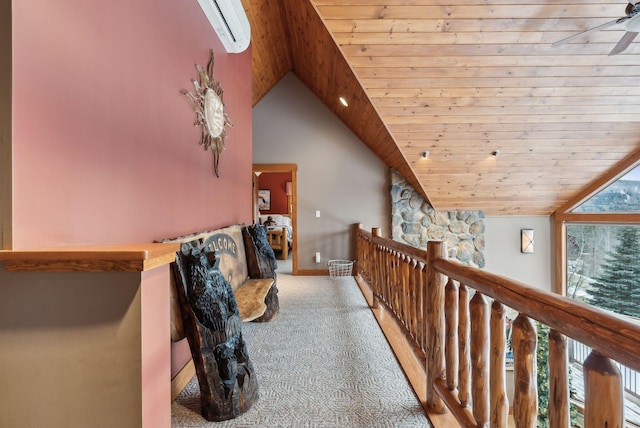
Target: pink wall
<point>103,143</point>
<point>155,368</point>
<point>104,150</point>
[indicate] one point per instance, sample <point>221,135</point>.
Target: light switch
<point>318,214</point>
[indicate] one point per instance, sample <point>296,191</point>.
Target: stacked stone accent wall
<point>415,222</point>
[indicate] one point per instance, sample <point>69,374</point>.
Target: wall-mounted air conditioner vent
<point>230,21</point>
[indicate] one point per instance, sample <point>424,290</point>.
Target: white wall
<point>502,250</point>
<point>337,174</point>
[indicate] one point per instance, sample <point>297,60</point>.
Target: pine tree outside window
<point>617,288</point>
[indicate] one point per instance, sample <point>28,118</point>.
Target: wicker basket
<point>340,268</point>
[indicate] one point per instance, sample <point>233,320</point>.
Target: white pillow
<point>286,221</point>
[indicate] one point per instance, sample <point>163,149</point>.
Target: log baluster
<point>464,331</point>
<point>404,291</point>
<point>376,276</point>
<point>386,278</point>
<point>364,253</point>
<point>371,251</point>
<point>559,412</point>
<point>499,402</point>
<point>435,325</point>
<point>603,403</point>
<point>397,284</point>
<point>392,282</point>
<point>363,258</point>
<point>422,305</point>
<point>480,359</point>
<point>451,345</point>
<point>406,295</point>
<point>413,294</point>
<point>525,397</point>
<point>389,278</point>
<point>379,269</point>
<point>359,265</point>
<point>381,273</point>
<point>375,267</point>
<point>395,275</point>
<point>386,266</point>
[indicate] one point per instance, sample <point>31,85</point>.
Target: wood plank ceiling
<point>462,79</point>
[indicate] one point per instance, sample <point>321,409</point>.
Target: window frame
<point>564,215</point>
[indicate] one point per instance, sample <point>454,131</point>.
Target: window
<point>603,267</point>
<point>621,196</point>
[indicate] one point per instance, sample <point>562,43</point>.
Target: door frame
<point>293,169</point>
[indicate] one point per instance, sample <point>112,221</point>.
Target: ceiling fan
<point>631,22</point>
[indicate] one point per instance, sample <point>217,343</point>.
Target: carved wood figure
<point>261,262</point>
<point>228,385</point>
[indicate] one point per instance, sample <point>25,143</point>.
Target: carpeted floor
<point>323,362</point>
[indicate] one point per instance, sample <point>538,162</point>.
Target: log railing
<point>454,315</point>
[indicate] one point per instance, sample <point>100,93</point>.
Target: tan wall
<point>502,249</point>
<point>72,349</point>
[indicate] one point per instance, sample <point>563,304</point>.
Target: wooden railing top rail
<point>363,232</point>
<point>610,335</point>
<point>408,250</point>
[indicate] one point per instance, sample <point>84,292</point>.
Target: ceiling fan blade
<point>624,42</point>
<point>584,33</point>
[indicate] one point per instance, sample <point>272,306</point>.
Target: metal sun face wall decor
<point>207,102</point>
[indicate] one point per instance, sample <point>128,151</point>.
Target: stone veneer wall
<point>414,222</point>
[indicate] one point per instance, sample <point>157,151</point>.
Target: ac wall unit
<point>230,21</point>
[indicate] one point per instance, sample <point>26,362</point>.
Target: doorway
<point>288,190</point>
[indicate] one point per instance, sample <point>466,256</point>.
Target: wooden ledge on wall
<point>91,258</point>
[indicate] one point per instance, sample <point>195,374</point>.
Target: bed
<point>280,234</point>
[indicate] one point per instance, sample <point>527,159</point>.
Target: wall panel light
<point>526,241</point>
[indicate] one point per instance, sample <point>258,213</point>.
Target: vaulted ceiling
<point>462,79</point>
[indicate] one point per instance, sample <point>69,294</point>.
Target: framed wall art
<point>264,200</point>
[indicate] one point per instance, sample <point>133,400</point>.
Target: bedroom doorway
<point>275,194</point>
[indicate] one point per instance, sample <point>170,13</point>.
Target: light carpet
<point>323,362</point>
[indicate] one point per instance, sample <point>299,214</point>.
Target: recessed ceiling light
<point>425,154</point>
<point>495,153</point>
<point>344,102</point>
